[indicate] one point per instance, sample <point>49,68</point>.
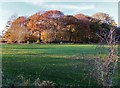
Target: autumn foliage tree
<point>17,32</point>
<point>54,26</point>
<point>43,21</point>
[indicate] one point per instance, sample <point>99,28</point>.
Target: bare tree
<point>105,67</point>
<point>9,22</point>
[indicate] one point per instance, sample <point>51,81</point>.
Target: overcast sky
<point>69,8</point>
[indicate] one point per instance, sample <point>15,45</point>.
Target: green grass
<point>63,64</point>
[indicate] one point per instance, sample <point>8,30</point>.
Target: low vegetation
<point>61,65</point>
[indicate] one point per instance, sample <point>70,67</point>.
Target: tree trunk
<point>70,38</point>
<point>39,37</point>
<point>108,78</point>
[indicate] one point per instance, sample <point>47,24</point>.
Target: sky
<point>68,8</point>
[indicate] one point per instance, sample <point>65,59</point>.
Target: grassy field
<point>62,64</point>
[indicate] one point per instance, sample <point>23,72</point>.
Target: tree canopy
<point>54,26</point>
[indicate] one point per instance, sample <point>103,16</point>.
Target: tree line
<point>53,26</point>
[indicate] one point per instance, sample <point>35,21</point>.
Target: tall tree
<point>104,18</point>
<point>107,22</point>
<point>17,31</point>
<point>6,30</point>
<point>41,22</point>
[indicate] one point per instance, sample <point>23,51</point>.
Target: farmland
<point>64,64</point>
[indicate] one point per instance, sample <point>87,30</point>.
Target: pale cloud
<point>59,0</point>
<point>71,7</point>
<point>63,7</point>
<point>75,9</point>
<point>37,2</point>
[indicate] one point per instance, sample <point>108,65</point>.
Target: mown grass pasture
<point>64,64</point>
